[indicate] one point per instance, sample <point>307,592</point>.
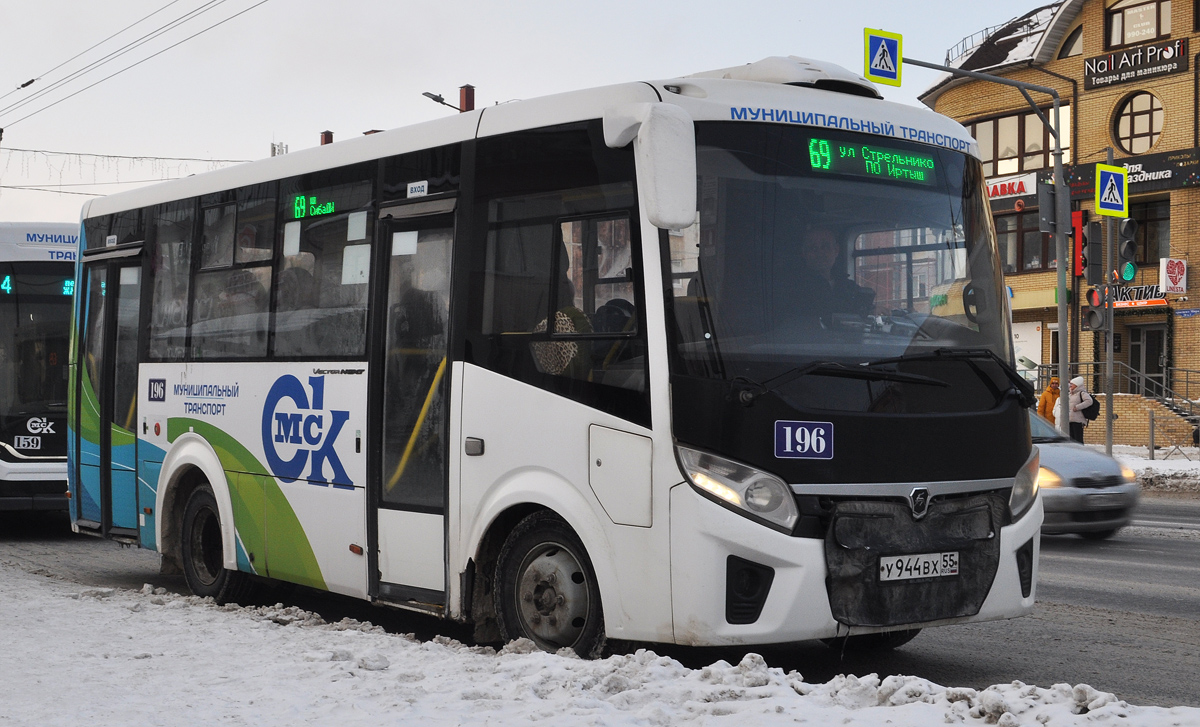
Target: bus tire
<point>203,552</point>
<point>867,643</point>
<point>546,589</point>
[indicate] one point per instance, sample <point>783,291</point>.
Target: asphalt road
<point>1122,615</point>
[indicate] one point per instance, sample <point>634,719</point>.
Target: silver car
<point>1083,491</point>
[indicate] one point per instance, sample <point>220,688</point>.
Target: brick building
<point>1127,78</point>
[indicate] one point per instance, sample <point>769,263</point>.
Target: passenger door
<point>107,413</point>
<point>415,417</point>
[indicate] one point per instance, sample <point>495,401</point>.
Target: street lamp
<point>435,97</point>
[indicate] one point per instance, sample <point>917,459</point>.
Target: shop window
<point>1020,142</point>
<point>1023,247</point>
<point>1154,230</point>
<point>1138,122</point>
<point>1073,45</point>
<point>1130,22</point>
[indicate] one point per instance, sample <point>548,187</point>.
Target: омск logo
<point>302,429</point>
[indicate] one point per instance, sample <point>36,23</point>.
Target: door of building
<point>1148,359</point>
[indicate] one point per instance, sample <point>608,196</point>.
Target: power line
<point>105,60</point>
<point>120,156</point>
<point>60,65</point>
<point>84,184</point>
<point>164,50</point>
<point>54,191</point>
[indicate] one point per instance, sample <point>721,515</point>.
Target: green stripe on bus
<point>255,495</point>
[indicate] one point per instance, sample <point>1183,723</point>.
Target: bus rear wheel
<point>546,589</point>
<point>204,554</point>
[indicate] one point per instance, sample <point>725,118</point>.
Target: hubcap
<point>552,596</point>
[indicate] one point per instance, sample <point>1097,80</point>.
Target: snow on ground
<point>1178,473</point>
<point>71,655</point>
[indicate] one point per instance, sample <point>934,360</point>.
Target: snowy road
<point>74,655</point>
<point>1121,616</point>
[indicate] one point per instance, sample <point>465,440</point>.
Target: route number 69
<point>803,440</point>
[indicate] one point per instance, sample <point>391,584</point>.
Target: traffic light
<point>1093,253</point>
<point>1127,249</point>
<point>1096,317</point>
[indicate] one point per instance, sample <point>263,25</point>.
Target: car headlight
<point>749,491</point>
<point>1127,473</point>
<point>1048,478</point>
<point>1025,486</point>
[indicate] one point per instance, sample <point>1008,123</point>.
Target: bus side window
<point>558,287</point>
<point>232,298</point>
<point>321,296</point>
<point>170,274</point>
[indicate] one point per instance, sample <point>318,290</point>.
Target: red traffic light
<point>1095,298</point>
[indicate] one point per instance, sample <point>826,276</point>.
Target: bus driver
<point>824,290</point>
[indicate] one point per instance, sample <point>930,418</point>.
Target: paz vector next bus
<point>723,359</point>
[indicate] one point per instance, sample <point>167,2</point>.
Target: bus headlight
<point>750,491</point>
<point>1025,486</point>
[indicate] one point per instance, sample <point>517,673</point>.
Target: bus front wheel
<point>204,554</point>
<point>546,589</point>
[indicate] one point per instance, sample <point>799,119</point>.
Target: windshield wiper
<point>828,368</point>
<point>1022,389</point>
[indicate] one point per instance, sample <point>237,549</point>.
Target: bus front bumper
<point>33,495</point>
<point>796,606</point>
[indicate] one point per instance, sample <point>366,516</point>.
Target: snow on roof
<point>1011,42</point>
<point>1029,38</point>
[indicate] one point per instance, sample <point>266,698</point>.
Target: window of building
<point>1023,247</point>
<point>1020,142</point>
<point>1138,122</point>
<point>1073,45</point>
<point>1137,21</point>
<point>1154,229</point>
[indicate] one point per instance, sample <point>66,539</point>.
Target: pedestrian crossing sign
<point>883,56</point>
<point>1112,191</point>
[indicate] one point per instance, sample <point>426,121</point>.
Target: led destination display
<point>868,160</point>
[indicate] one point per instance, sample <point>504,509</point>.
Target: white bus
<point>37,282</point>
<point>722,359</point>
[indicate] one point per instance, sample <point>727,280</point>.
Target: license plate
<point>926,565</point>
<point>1105,499</point>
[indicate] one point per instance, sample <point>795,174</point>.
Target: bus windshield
<point>829,246</point>
<point>35,316</point>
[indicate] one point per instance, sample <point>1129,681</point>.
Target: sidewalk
<point>1174,475</point>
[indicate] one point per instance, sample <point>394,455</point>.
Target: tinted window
<point>171,273</point>
<point>326,264</point>
<point>232,299</point>
<point>558,300</point>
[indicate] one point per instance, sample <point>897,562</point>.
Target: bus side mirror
<point>666,158</point>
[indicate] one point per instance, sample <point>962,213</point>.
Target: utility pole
<point>1110,242</point>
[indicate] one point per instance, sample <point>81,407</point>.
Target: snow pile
<point>72,656</point>
<point>1179,473</point>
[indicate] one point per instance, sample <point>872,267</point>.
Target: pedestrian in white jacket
<point>1079,400</point>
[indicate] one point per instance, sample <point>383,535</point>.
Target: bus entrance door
<point>412,503</point>
<point>108,496</point>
